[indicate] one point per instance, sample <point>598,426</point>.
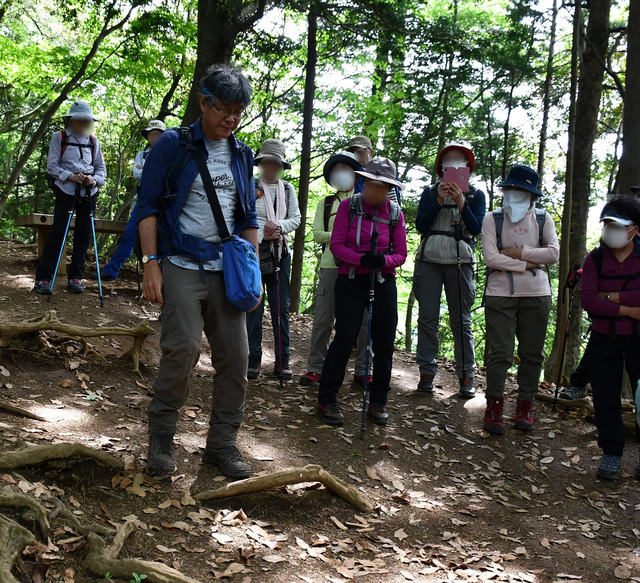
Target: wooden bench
<point>42,223</point>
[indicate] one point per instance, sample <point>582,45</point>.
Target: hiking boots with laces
<point>162,457</point>
<point>229,460</point>
<point>609,467</point>
<point>573,392</point>
<point>378,413</point>
<point>75,286</point>
<point>467,390</point>
<point>426,383</point>
<point>331,414</point>
<point>524,416</point>
<point>493,421</point>
<point>310,379</point>
<point>253,370</point>
<point>43,287</point>
<point>286,372</point>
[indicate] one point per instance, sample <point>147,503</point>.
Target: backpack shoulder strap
<point>184,153</point>
<point>356,207</point>
<point>394,214</point>
<point>63,142</point>
<point>326,212</point>
<point>541,219</point>
<point>598,256</point>
<point>498,217</point>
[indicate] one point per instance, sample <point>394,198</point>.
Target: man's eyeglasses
<point>237,114</point>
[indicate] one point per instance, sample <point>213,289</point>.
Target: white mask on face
<point>615,237</point>
<point>516,204</point>
<point>343,180</point>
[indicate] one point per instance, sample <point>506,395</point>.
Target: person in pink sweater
<point>357,219</point>
<point>518,241</point>
<point>610,293</point>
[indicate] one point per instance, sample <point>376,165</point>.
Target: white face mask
<point>516,204</point>
<point>615,237</point>
<point>343,180</point>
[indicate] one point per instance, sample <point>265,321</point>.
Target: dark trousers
<point>352,299</point>
<point>580,376</point>
<point>81,236</point>
<point>125,248</point>
<point>608,355</point>
<point>254,319</point>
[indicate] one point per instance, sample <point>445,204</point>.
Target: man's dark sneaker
<point>43,287</point>
<point>75,286</point>
<point>573,392</point>
<point>467,390</point>
<point>609,467</point>
<point>493,421</point>
<point>378,413</point>
<point>287,373</point>
<point>359,380</point>
<point>426,383</point>
<point>162,457</point>
<point>310,379</point>
<point>524,416</point>
<point>229,460</point>
<point>331,414</point>
<point>103,276</point>
<point>253,370</point>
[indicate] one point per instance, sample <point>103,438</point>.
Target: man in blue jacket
<point>448,220</point>
<point>183,268</point>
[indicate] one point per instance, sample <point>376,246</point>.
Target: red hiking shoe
<point>310,379</point>
<point>359,380</point>
<point>524,416</point>
<point>493,422</point>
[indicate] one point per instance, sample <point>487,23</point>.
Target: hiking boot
<point>43,287</point>
<point>287,373</point>
<point>103,276</point>
<point>467,390</point>
<point>573,392</point>
<point>609,467</point>
<point>359,380</point>
<point>162,457</point>
<point>524,416</point>
<point>426,383</point>
<point>331,414</point>
<point>493,421</point>
<point>253,370</point>
<point>75,286</point>
<point>229,460</point>
<point>310,379</point>
<point>378,413</point>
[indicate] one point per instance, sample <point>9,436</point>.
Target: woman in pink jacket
<point>357,219</point>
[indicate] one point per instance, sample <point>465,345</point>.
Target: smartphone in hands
<point>458,175</point>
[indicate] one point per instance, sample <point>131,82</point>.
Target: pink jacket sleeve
<point>550,252</point>
<point>399,255</point>
<point>492,256</point>
<point>589,292</point>
<point>339,247</point>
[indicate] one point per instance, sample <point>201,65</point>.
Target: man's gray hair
<point>226,84</point>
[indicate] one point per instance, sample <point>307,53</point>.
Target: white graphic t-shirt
<point>196,218</point>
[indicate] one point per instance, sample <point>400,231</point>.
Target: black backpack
<point>356,209</point>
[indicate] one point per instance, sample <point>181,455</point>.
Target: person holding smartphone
<point>450,215</point>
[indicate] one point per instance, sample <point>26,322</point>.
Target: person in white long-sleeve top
<point>278,215</point>
<point>75,171</point>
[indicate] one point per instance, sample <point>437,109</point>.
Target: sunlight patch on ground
<point>70,416</point>
<point>23,282</point>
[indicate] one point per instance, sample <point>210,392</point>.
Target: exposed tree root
<point>308,473</point>
<point>4,406</point>
<point>31,455</point>
<point>61,509</point>
<point>103,559</point>
<point>15,333</point>
<point>9,498</point>
<point>15,539</point>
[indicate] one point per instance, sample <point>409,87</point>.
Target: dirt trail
<point>453,504</point>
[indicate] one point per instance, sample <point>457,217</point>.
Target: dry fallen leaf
<point>274,558</point>
<point>400,534</point>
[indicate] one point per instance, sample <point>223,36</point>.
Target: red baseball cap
<point>464,149</point>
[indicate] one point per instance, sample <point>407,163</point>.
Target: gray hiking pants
<point>323,320</point>
<point>192,305</point>
<point>429,279</point>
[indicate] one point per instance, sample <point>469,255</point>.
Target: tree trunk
<point>305,159</point>
<point>408,323</point>
<point>628,173</point>
<point>546,93</point>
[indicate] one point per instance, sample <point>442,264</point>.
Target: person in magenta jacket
<point>355,223</point>
<point>610,293</point>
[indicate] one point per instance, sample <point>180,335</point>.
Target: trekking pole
<point>457,229</point>
<point>277,262</point>
<point>372,287</point>
<point>95,244</point>
<point>64,239</point>
<point>573,278</point>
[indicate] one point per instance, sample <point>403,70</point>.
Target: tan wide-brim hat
<point>382,170</point>
<point>273,150</point>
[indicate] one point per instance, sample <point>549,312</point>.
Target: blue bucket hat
<point>521,176</point>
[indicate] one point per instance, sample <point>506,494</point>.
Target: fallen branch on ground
<point>31,455</point>
<point>309,473</point>
<point>103,559</point>
<point>9,498</point>
<point>11,333</point>
<point>4,406</point>
<point>15,539</point>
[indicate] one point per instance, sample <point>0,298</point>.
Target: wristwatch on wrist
<point>607,296</point>
<point>147,258</point>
